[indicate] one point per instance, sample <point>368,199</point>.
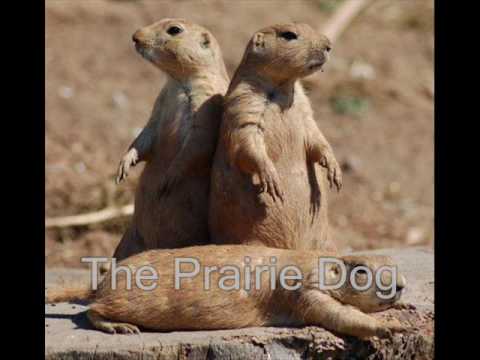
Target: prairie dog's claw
<point>270,183</point>
<point>129,160</point>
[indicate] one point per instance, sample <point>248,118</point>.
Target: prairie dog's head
<point>287,51</point>
<point>178,47</point>
<point>372,283</point>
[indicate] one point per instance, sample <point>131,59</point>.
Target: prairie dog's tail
<point>63,294</point>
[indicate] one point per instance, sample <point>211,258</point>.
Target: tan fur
<point>179,140</point>
<point>78,293</point>
<point>194,308</point>
<point>267,187</point>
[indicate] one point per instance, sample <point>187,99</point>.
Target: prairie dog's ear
<point>205,43</point>
<point>258,42</point>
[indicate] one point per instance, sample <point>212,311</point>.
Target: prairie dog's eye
<point>174,30</point>
<point>335,270</point>
<point>289,35</point>
<point>359,269</point>
<point>328,48</point>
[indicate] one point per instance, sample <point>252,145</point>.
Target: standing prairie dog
<point>201,304</point>
<point>267,187</point>
<point>178,141</point>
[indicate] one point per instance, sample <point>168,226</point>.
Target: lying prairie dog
<point>210,297</point>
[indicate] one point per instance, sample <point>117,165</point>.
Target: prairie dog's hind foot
<point>111,327</point>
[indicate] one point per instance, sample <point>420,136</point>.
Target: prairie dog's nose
<point>327,47</point>
<point>326,54</point>
<point>136,36</point>
<point>323,42</point>
<point>322,47</point>
<point>401,283</point>
<point>142,35</point>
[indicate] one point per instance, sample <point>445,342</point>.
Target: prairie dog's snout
<point>136,36</point>
<point>326,47</point>
<point>324,44</point>
<point>401,283</point>
<point>145,37</point>
<point>320,54</point>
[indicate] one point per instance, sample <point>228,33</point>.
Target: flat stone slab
<point>68,335</point>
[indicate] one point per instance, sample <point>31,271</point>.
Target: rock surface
<point>68,335</point>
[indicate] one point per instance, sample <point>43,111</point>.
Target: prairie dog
<point>194,306</point>
<point>267,187</point>
<point>179,139</point>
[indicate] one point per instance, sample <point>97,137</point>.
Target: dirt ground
<point>374,103</point>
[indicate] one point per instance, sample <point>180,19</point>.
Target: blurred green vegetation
<point>349,105</point>
<point>329,6</point>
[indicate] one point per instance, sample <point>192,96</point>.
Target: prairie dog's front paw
<point>334,175</point>
<point>387,329</point>
<point>270,182</point>
<point>403,306</point>
<point>129,159</point>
